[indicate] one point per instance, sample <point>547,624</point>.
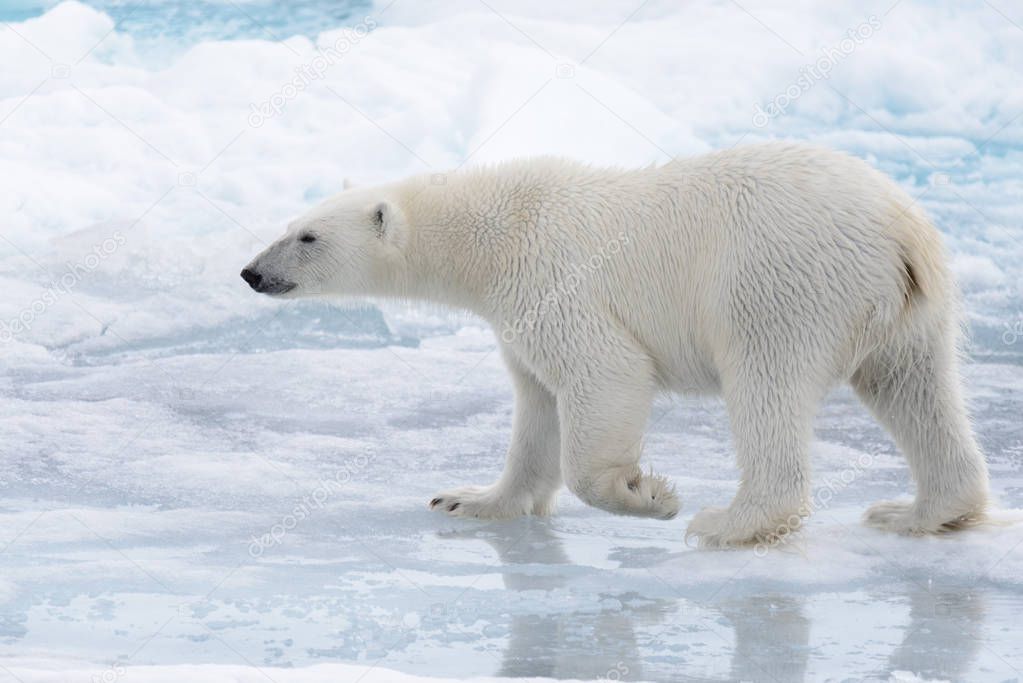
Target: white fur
<point>767,274</point>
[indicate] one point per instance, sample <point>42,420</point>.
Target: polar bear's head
<point>343,247</point>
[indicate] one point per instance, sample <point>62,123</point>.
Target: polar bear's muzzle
<point>266,285</point>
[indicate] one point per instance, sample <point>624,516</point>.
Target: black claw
<point>453,507</point>
<point>435,502</point>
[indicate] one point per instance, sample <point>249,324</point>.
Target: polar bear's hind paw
<point>904,517</point>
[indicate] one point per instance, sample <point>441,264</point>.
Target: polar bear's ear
<point>347,184</point>
<point>389,223</point>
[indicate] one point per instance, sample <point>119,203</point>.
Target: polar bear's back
<point>777,239</point>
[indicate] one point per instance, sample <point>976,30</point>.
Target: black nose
<point>252,277</point>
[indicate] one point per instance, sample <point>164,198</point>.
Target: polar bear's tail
<point>928,282</point>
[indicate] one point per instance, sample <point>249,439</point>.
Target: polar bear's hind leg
<point>913,389</point>
<point>911,383</point>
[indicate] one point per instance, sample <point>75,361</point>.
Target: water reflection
<point>762,636</point>
<point>944,634</point>
<point>772,637</point>
<point>589,645</point>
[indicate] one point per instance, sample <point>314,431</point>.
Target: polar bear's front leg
<point>532,471</point>
<point>603,417</point>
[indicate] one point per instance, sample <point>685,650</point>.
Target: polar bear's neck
<point>466,230</point>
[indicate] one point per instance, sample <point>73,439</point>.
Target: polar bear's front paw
<point>481,502</point>
<point>724,528</point>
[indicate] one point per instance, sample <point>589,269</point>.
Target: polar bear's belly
<point>686,369</point>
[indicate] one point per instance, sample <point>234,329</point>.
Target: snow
<point>197,483</point>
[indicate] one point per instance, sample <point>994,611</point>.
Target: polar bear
<point>766,274</point>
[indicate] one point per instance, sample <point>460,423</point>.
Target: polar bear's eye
<point>307,238</point>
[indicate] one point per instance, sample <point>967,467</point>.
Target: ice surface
<point>194,475</point>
